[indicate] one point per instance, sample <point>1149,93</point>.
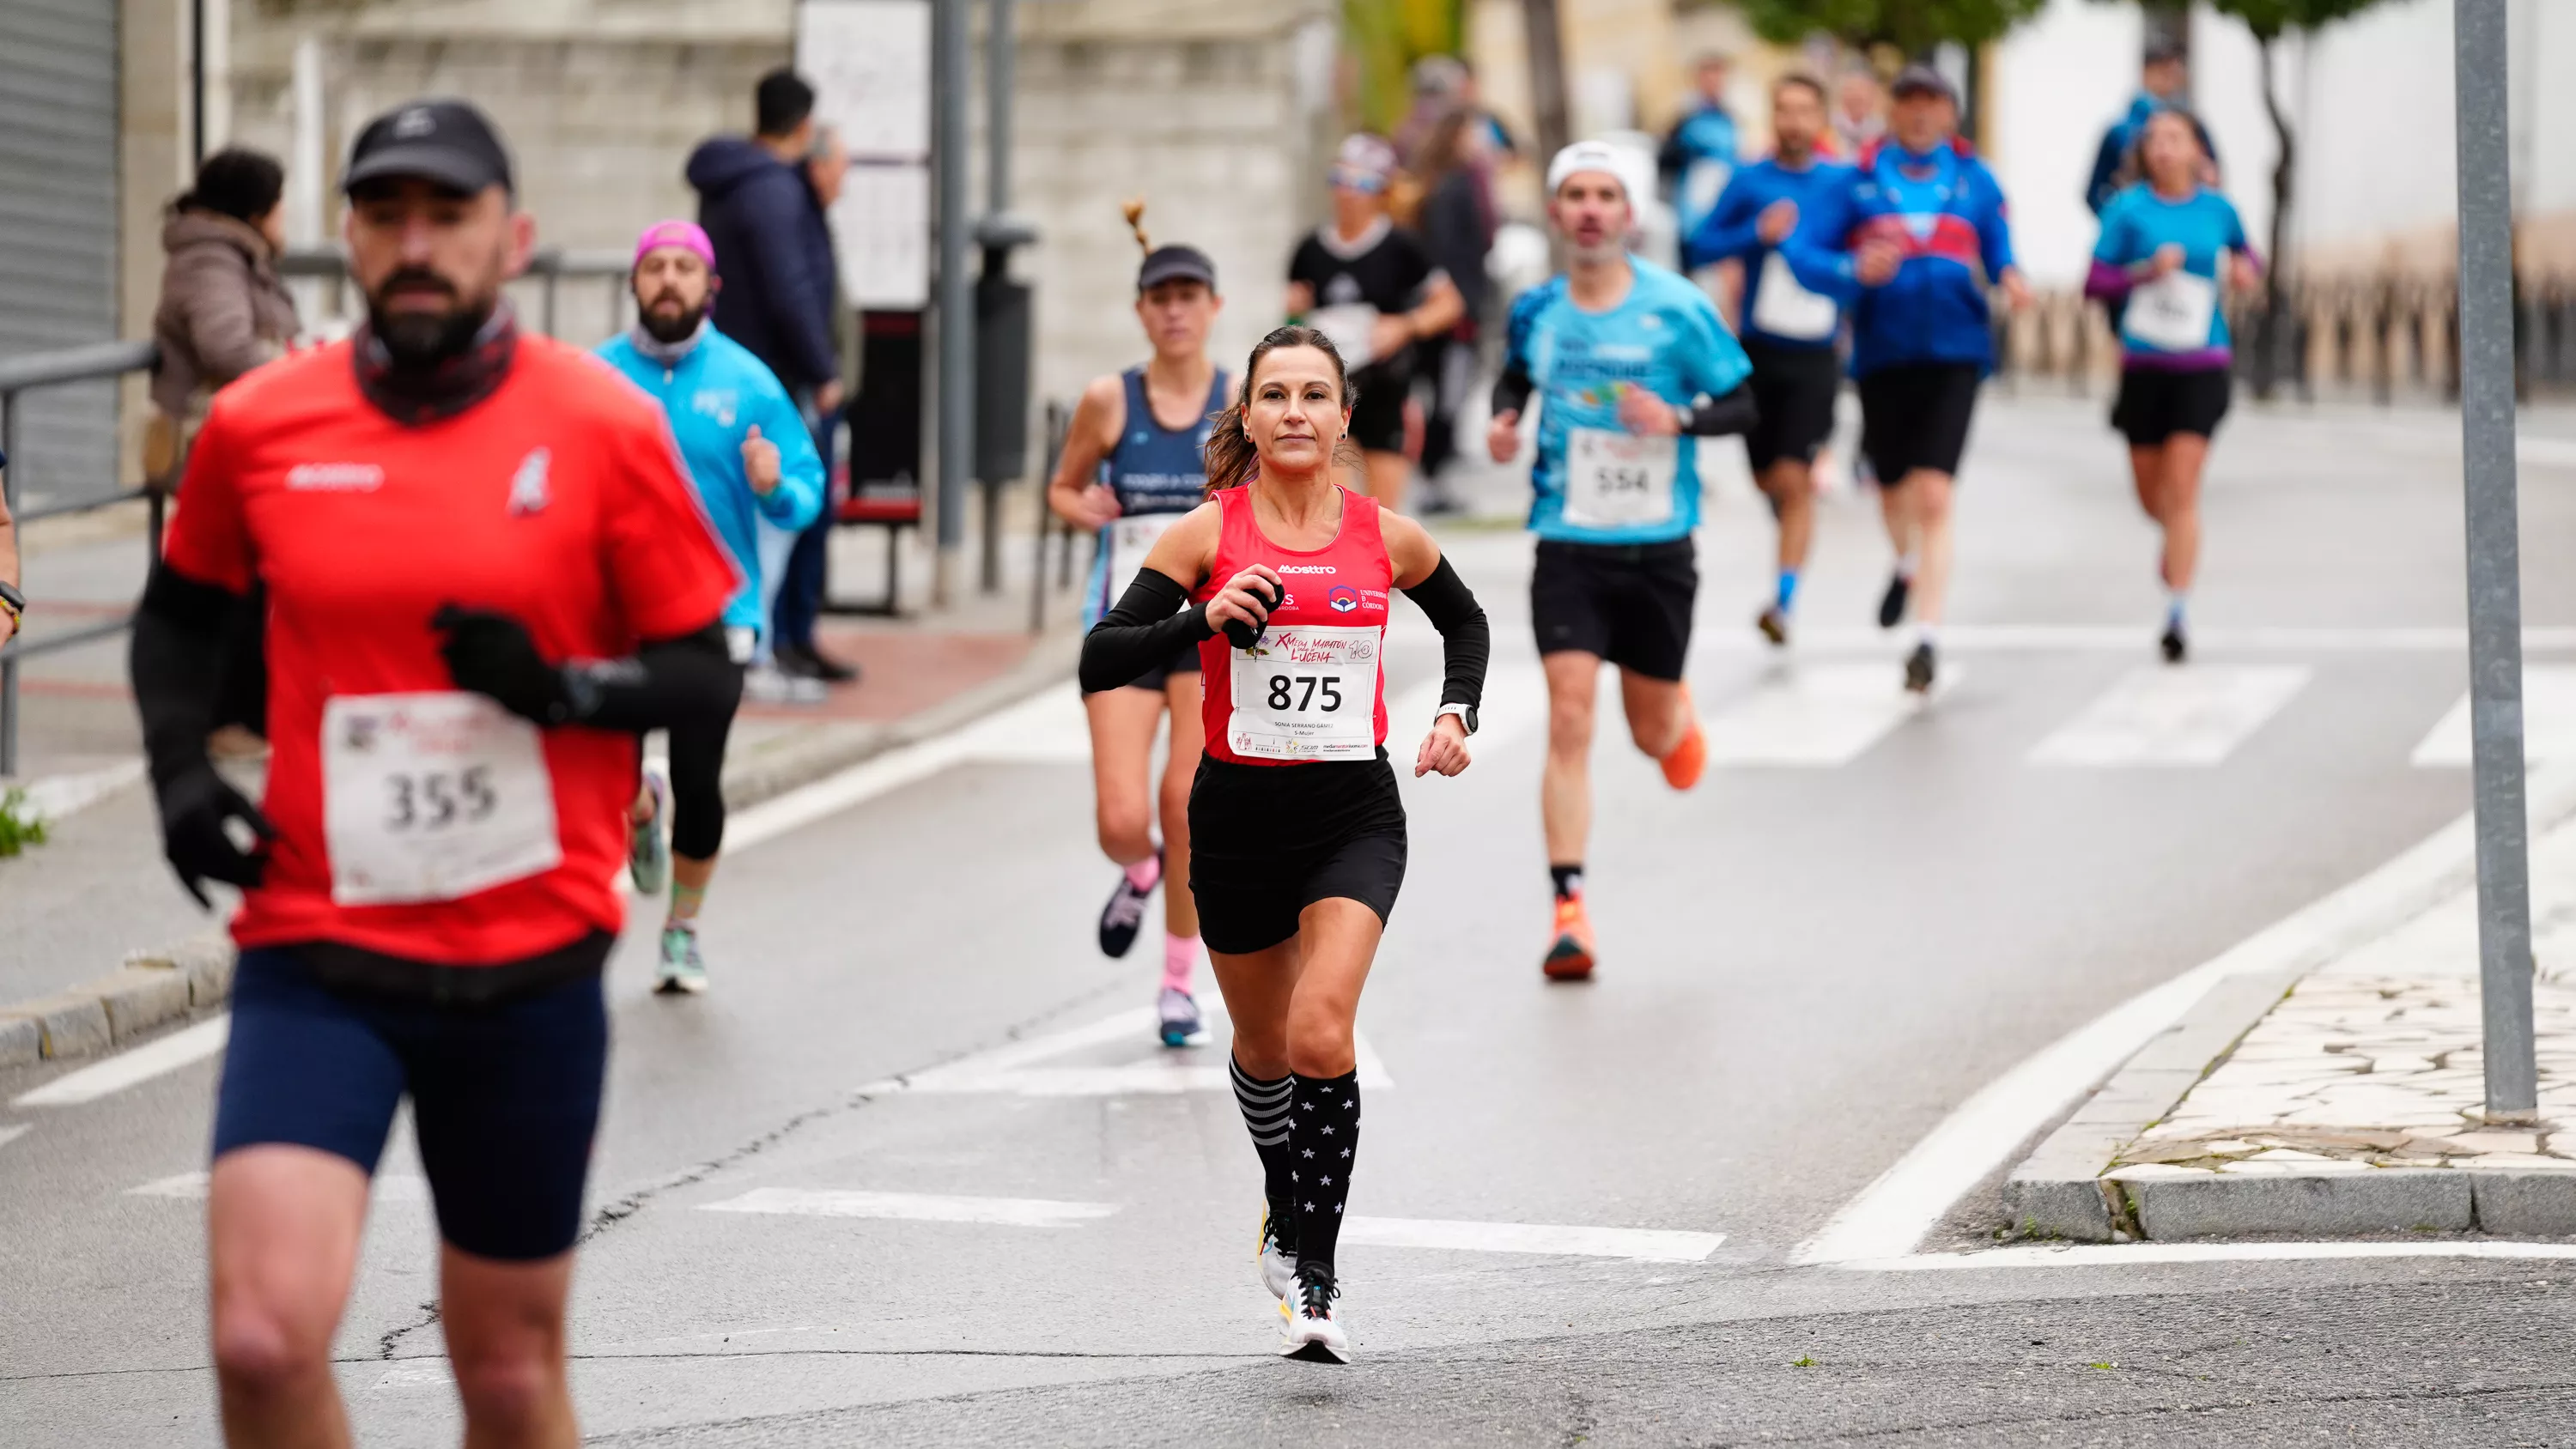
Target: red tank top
<point>1298,694</point>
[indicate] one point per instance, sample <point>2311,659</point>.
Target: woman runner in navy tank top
<point>1131,468</point>
<point>1297,831</point>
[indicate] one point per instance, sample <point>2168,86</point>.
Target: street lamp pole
<point>2495,558</point>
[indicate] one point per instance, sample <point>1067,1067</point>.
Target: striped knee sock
<point>1265,1114</point>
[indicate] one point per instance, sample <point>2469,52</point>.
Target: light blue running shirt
<point>1594,481</point>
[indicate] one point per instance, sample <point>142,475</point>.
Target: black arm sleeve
<point>1718,417</point>
<point>1512,390</point>
<point>683,681</point>
<point>176,662</point>
<point>1143,631</point>
<point>1466,644</point>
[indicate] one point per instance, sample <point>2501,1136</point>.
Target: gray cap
<point>1919,79</point>
<point>1176,264</point>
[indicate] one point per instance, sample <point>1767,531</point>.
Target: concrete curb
<point>156,987</point>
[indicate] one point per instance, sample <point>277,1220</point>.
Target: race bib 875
<point>1306,692</point>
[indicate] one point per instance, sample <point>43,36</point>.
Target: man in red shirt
<point>486,573</point>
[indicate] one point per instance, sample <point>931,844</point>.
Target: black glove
<point>1242,635</point>
<point>491,654</point>
<point>195,804</point>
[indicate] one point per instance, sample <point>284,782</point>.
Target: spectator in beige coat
<point>223,310</point>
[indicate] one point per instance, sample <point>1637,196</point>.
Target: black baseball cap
<point>1175,264</point>
<point>1919,79</point>
<point>448,142</point>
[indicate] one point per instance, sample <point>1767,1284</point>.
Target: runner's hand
<point>2248,278</point>
<point>2016,290</point>
<point>1647,415</point>
<point>1776,222</point>
<point>1876,262</point>
<point>2167,260</point>
<point>492,654</point>
<point>828,397</point>
<point>759,462</point>
<point>1444,749</point>
<point>1096,506</point>
<point>196,806</point>
<point>1242,608</point>
<point>1503,436</point>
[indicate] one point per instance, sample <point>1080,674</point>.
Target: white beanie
<point>1619,162</point>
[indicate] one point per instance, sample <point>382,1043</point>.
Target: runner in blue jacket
<point>749,457</point>
<point>1909,249</point>
<point>1791,334</point>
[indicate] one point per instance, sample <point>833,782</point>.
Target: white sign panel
<point>881,229</point>
<point>869,62</point>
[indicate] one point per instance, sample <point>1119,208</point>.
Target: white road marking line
<point>1653,1245</point>
<point>1892,1214</point>
<point>2548,721</point>
<point>130,1068</point>
<point>1814,715</point>
<point>12,1134</point>
<point>919,1207</point>
<point>2108,1255</point>
<point>2160,715</point>
<point>389,1187</point>
<point>1013,1071</point>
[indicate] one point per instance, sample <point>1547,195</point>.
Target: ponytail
<point>1134,211</point>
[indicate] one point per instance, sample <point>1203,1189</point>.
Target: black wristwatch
<point>1466,715</point>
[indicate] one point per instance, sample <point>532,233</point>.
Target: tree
<point>1385,38</point>
<point>2268,21</point>
<point>1912,26</point>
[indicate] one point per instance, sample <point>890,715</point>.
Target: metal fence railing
<point>2375,337</point>
<point>18,377</point>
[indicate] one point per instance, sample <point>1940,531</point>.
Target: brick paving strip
<point>2342,1097</point>
<point>918,686</point>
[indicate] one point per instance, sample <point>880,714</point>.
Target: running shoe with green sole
<point>682,972</point>
<point>648,850</point>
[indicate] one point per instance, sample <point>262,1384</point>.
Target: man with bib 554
<point>1633,366</point>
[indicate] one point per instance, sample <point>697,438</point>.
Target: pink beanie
<point>674,234</point>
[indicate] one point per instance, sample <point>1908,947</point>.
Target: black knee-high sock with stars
<point>1323,1142</point>
<point>1265,1108</point>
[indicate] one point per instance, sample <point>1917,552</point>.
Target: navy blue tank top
<point>1154,469</point>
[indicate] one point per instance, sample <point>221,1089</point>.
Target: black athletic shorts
<point>505,1096</point>
<point>1377,419</point>
<point>1184,661</point>
<point>1267,841</point>
<point>1793,390</point>
<point>2155,404</point>
<point>1628,603</point>
<point>1915,415</point>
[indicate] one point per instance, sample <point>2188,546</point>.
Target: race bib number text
<point>1306,692</point>
<point>1618,480</point>
<point>432,796</point>
<point>2172,313</point>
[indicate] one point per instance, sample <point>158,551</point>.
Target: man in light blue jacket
<point>751,460</point>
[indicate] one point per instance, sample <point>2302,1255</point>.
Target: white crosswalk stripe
<point>2548,721</point>
<point>1816,715</point>
<point>2157,715</point>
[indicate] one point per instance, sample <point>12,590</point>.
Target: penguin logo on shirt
<point>528,492</point>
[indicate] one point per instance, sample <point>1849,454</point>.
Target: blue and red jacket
<point>1947,212</point>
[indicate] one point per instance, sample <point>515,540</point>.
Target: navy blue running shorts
<point>505,1097</point>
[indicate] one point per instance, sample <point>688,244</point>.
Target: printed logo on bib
<point>2173,312</point>
<point>1618,480</point>
<point>431,797</point>
<point>1306,692</point>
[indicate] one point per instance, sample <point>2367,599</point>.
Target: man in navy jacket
<point>757,201</point>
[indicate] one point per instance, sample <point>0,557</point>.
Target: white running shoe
<point>1314,1332</point>
<point>768,684</point>
<point>1278,1265</point>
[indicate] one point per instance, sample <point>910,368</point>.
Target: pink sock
<point>1144,873</point>
<point>1180,960</point>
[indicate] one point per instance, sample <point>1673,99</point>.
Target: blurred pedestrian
<point>1909,250</point>
<point>13,604</point>
<point>1368,286</point>
<point>2168,244</point>
<point>1860,111</point>
<point>223,310</point>
<point>1457,227</point>
<point>1698,157</point>
<point>759,203</point>
<point>2164,79</point>
<point>1440,86</point>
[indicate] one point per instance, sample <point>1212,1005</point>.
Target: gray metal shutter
<point>58,231</point>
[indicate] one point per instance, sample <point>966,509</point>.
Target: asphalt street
<point>914,1173</point>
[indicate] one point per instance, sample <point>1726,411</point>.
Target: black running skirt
<point>1267,841</point>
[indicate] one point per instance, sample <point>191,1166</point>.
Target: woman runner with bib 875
<point>1297,831</point>
<point>1131,469</point>
<point>2163,242</point>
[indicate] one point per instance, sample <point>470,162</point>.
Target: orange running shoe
<point>1570,957</point>
<point>1683,766</point>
